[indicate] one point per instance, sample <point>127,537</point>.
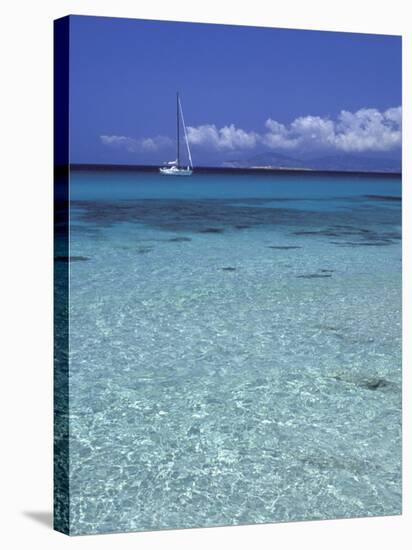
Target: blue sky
<point>244,90</point>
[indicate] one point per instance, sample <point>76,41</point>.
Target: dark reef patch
<point>144,249</point>
<point>216,216</point>
<point>385,242</point>
<point>374,384</point>
<point>334,231</point>
<point>314,276</point>
<point>360,235</point>
<point>284,247</point>
<point>179,240</point>
<point>211,230</point>
<point>391,198</point>
<point>329,328</point>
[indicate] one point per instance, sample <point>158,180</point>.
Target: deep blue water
<point>89,185</point>
<point>234,349</point>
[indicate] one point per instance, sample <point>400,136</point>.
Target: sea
<point>234,349</point>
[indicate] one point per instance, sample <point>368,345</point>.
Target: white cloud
<point>369,130</point>
<point>313,131</point>
<point>363,130</point>
<point>394,115</point>
<point>278,136</point>
<point>136,145</point>
<point>226,138</point>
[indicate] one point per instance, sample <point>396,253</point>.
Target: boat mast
<point>185,133</point>
<point>177,121</point>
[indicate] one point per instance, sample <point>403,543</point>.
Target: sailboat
<point>174,168</point>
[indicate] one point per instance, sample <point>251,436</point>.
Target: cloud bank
<point>137,145</point>
<point>364,130</point>
<point>361,131</point>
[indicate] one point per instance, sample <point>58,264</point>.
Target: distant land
<point>344,162</point>
<point>227,168</point>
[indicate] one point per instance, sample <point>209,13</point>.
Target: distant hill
<point>268,158</point>
<point>344,161</point>
<point>356,162</point>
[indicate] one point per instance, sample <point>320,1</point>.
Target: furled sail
<point>186,138</point>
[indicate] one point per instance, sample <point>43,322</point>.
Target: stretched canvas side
<point>61,275</point>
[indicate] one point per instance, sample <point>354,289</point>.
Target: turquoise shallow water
<point>234,349</point>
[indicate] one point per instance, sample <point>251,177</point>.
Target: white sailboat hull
<point>174,171</point>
